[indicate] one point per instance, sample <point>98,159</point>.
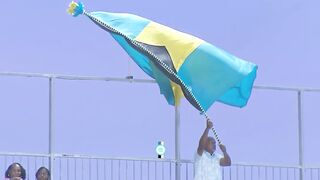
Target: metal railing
<point>178,169</point>
<point>84,167</point>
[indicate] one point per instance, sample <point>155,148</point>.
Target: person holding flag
<point>207,162</point>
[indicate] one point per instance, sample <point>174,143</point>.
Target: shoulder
<point>218,155</point>
<point>197,156</point>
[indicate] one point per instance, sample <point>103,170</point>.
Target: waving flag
<point>181,64</point>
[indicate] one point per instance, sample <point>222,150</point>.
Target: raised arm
<point>204,137</point>
<point>226,160</point>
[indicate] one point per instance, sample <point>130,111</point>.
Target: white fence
<point>90,167</point>
<point>81,167</point>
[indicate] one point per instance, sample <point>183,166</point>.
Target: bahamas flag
<point>181,64</point>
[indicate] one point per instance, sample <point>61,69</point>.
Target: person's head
<point>43,174</point>
<point>15,170</point>
<point>210,145</point>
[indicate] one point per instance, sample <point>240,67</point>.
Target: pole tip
<point>75,8</point>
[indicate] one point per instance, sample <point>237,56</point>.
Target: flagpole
<point>76,9</point>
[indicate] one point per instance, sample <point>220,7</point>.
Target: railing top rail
<point>131,79</point>
<point>23,154</point>
<point>111,158</point>
<point>283,88</point>
<point>74,77</point>
<point>257,164</point>
<point>312,167</point>
<point>79,156</point>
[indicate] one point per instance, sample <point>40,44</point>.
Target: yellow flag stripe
<point>178,44</point>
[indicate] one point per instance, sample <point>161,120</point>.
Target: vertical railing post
<point>177,143</point>
<point>300,133</point>
<point>51,158</point>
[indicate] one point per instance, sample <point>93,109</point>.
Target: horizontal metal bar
<point>255,164</point>
<point>281,88</point>
<point>23,154</point>
<point>73,77</point>
<point>111,158</point>
<point>149,159</point>
<point>278,88</point>
<point>132,79</point>
<point>266,165</point>
<point>312,167</point>
<point>22,74</point>
<point>126,79</point>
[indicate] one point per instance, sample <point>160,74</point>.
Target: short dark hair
<point>46,169</point>
<point>23,171</point>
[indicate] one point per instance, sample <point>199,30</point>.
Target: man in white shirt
<point>207,163</point>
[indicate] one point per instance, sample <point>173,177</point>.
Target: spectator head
<point>43,174</point>
<point>15,170</point>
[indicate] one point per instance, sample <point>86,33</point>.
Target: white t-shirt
<point>207,166</point>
